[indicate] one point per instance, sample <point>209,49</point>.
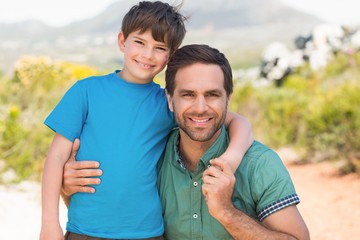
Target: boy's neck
<point>130,80</point>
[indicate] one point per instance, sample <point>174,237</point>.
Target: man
<point>203,199</point>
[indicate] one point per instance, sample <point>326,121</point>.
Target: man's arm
<point>218,185</point>
<point>241,138</point>
<point>76,176</point>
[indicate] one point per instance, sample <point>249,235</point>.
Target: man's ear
<point>169,100</point>
<point>228,103</point>
<point>121,41</point>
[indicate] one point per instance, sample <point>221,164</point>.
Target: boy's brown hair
<point>164,21</point>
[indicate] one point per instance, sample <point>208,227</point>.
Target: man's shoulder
<point>259,151</point>
<point>173,137</point>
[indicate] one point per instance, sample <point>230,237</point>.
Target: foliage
<point>316,112</point>
<point>334,123</point>
<point>37,85</point>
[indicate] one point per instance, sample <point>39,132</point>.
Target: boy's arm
<point>241,138</point>
<point>58,153</point>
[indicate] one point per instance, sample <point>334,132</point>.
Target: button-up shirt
<point>263,186</point>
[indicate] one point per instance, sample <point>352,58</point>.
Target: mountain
<point>231,25</point>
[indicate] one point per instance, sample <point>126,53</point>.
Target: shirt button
<point>195,216</point>
<point>195,184</point>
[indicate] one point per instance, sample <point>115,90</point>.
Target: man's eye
<point>188,95</point>
<point>213,95</point>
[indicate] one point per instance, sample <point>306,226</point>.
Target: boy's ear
<point>121,41</point>
<point>169,100</point>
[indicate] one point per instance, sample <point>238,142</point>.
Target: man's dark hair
<point>195,53</point>
<point>164,21</point>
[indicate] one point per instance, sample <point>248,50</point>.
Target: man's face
<point>199,101</point>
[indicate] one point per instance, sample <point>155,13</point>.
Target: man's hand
<point>77,174</point>
<point>218,187</point>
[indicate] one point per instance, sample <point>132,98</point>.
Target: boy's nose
<point>146,52</point>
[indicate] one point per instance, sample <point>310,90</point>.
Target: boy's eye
<point>139,42</point>
<point>162,49</point>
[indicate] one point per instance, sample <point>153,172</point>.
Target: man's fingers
<point>82,173</point>
<point>83,182</point>
<point>86,189</point>
<point>75,189</point>
<point>86,165</point>
<point>213,171</point>
<point>75,165</point>
<point>209,180</point>
<point>221,164</point>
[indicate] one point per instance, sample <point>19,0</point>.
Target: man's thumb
<point>75,149</point>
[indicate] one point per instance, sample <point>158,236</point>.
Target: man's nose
<point>200,104</point>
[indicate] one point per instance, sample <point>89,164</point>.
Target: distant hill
<point>239,25</point>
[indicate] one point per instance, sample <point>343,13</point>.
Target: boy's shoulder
<point>95,81</point>
<point>96,78</point>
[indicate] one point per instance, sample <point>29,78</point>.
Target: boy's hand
<point>77,174</point>
<point>51,232</point>
<point>218,186</point>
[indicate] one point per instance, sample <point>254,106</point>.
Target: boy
<point>123,121</point>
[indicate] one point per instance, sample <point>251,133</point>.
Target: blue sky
<point>62,12</point>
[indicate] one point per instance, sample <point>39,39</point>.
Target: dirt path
<point>330,204</point>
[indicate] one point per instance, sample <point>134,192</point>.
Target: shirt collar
<point>218,148</point>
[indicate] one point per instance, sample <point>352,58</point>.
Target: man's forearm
<point>241,226</point>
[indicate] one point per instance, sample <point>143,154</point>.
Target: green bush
<point>27,98</point>
<point>316,112</point>
<point>333,122</point>
<point>281,118</point>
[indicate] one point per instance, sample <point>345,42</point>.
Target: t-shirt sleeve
<point>70,113</point>
<point>272,184</point>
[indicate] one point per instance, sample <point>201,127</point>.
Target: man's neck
<point>191,151</point>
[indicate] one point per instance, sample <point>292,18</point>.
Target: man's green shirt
<point>263,186</point>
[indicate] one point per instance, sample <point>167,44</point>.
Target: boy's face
<point>199,101</point>
<point>143,56</point>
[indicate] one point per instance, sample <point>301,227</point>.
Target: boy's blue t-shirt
<point>124,126</point>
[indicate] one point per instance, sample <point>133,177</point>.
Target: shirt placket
<point>195,206</point>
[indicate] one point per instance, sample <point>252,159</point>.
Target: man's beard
<point>200,134</point>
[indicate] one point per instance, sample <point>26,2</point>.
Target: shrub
<point>37,85</point>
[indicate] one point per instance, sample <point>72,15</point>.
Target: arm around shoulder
<point>241,138</point>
